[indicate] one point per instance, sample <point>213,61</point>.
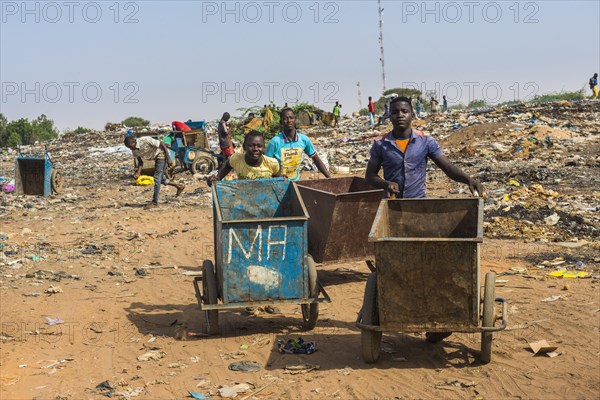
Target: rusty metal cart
<point>341,214</point>
<point>427,274</point>
<point>261,252</point>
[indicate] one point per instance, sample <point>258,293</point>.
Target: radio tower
<point>359,98</point>
<point>381,43</point>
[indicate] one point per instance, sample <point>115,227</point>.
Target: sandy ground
<point>111,316</point>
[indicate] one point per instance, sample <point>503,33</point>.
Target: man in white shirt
<point>147,148</point>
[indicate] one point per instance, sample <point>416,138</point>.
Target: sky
<point>85,63</point>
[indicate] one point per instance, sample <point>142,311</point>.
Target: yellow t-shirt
<point>266,169</point>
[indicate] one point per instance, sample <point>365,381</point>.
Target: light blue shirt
<point>289,153</point>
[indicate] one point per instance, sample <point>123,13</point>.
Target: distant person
<point>594,85</point>
<point>267,117</point>
<point>419,107</point>
<point>252,163</point>
<point>433,104</point>
<point>444,104</point>
<point>225,141</point>
<point>336,113</point>
<point>288,146</point>
<point>385,115</point>
<point>403,155</point>
<point>147,148</point>
<point>371,111</point>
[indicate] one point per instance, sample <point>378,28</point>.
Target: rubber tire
<point>310,312</point>
<point>370,340</point>
<point>488,316</point>
<point>203,165</point>
<point>170,173</point>
<point>56,181</point>
<point>209,296</point>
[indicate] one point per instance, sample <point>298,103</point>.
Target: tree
<point>3,135</point>
<point>133,122</point>
<point>13,140</point>
<point>20,129</point>
<point>43,129</point>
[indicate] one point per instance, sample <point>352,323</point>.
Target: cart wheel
<point>209,295</point>
<point>488,316</point>
<point>203,165</point>
<point>310,312</point>
<point>56,180</point>
<point>370,340</point>
<point>170,172</point>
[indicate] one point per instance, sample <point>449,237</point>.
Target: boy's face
<point>255,147</point>
<point>288,119</point>
<point>401,115</point>
<point>132,145</point>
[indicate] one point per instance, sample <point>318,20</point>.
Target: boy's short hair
<point>128,140</point>
<point>402,99</point>
<point>253,133</point>
<point>284,110</point>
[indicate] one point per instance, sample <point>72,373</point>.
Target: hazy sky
<point>84,63</point>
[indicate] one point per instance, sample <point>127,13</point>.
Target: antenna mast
<point>381,43</point>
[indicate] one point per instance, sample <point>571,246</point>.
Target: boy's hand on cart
<point>475,188</point>
<point>393,189</point>
<point>211,179</point>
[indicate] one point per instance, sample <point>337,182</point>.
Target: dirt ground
<point>111,315</point>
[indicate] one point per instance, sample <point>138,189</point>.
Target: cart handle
<point>504,314</point>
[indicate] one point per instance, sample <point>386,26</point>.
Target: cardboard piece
<point>542,347</point>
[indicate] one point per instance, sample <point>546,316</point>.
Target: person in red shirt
<point>180,126</point>
<point>371,111</point>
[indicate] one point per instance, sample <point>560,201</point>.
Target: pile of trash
<point>537,162</point>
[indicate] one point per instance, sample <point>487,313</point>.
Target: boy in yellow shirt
<point>252,164</point>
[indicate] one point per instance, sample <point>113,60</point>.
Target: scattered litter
<point>456,383</point>
<point>552,219</point>
<point>152,355</point>
<point>101,329</point>
<point>232,391</point>
<point>54,364</point>
<point>552,298</point>
<point>54,321</point>
<point>344,371</point>
<point>245,366</point>
<point>300,369</point>
<point>233,355</point>
<point>563,273</point>
<point>105,389</point>
<point>244,346</point>
<point>296,346</point>
<point>198,396</point>
<point>53,290</point>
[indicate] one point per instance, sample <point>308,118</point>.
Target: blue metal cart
<point>261,251</point>
<point>36,175</point>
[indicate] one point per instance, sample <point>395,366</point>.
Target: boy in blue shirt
<point>288,146</point>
